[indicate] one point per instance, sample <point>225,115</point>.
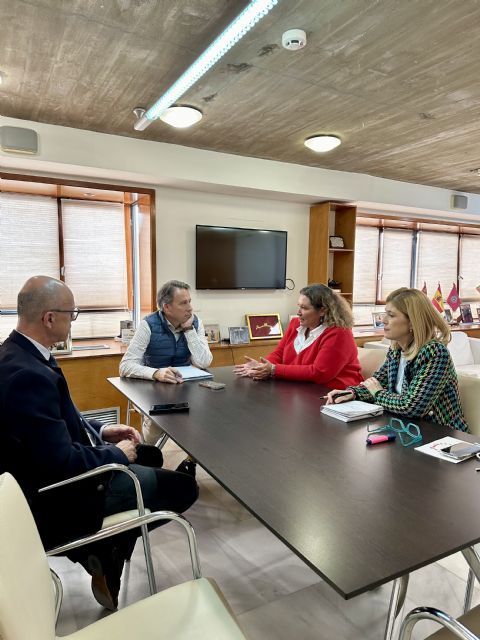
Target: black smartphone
<point>461,450</point>
<point>169,407</point>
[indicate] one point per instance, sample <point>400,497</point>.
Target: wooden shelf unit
<point>326,263</point>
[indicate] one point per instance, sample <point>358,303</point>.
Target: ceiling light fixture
<point>181,116</point>
<point>254,12</point>
<point>322,143</point>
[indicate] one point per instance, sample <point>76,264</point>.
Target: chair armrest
<point>429,613</point>
<point>99,470</point>
<point>475,348</point>
<point>134,523</point>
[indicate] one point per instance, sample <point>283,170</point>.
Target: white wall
<point>74,152</point>
<point>178,212</point>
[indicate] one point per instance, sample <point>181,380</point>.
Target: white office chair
<point>466,627</point>
<point>119,522</point>
<point>193,610</point>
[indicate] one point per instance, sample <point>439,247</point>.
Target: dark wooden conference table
<point>359,516</point>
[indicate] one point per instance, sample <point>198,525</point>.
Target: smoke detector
<point>294,39</point>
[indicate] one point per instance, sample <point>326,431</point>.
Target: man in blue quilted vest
<point>171,337</point>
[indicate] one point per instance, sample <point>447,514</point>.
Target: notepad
<point>353,410</point>
<point>194,373</point>
<point>433,448</point>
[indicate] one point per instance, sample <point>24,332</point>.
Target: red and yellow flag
<point>437,300</point>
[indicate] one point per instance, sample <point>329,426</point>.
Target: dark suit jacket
<point>43,441</point>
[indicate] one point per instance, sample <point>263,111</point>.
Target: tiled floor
<point>274,595</point>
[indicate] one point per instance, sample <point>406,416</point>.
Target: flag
<point>453,299</point>
<point>424,288</point>
<point>437,300</point>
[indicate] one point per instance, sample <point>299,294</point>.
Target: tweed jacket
<point>429,388</point>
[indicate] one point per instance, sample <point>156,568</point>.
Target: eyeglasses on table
<point>409,434</point>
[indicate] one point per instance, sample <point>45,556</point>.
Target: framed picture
<point>336,242</point>
<point>466,313</point>
<point>448,315</point>
<point>212,332</point>
<point>62,348</point>
<point>238,335</point>
<point>264,326</point>
<point>377,318</point>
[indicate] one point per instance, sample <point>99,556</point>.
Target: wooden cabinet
<point>326,263</point>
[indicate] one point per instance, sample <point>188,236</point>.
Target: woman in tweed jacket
<point>418,378</point>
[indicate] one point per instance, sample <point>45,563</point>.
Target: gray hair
<point>167,291</point>
<point>337,309</point>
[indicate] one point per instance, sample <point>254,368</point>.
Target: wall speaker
<point>459,202</point>
<point>18,140</point>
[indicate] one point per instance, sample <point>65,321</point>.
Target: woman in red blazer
<point>318,345</point>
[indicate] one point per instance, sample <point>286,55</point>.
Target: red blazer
<point>332,360</point>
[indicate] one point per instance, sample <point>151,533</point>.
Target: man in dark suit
<point>46,440</point>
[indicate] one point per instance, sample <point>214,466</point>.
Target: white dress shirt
<point>300,343</point>
<point>132,364</point>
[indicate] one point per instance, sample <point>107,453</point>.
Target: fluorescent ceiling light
<point>181,117</point>
<point>249,17</point>
<point>322,143</point>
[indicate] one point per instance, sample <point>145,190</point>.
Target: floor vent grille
<point>107,416</point>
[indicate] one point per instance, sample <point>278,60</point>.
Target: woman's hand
<point>372,385</point>
<point>244,369</point>
<point>339,395</point>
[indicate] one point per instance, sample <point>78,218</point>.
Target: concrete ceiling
<point>397,80</point>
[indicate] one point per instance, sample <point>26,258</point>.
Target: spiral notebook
<point>353,410</point>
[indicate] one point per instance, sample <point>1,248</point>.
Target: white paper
<point>194,373</point>
<point>352,410</point>
<point>432,448</point>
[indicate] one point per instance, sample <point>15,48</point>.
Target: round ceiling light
<point>181,117</point>
<point>322,143</point>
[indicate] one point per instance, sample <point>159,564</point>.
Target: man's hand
<point>129,448</point>
<point>188,324</point>
<point>169,374</point>
<point>117,432</point>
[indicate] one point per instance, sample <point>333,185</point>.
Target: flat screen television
<point>234,258</point>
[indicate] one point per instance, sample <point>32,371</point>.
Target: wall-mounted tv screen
<point>233,258</point>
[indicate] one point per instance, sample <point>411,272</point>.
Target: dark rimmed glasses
<point>73,312</point>
<point>408,433</point>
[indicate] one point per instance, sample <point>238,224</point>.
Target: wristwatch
<point>272,371</point>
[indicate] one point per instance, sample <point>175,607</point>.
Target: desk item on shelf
<point>353,410</point>
<point>127,331</point>
<point>238,335</point>
<point>450,449</point>
<point>212,332</point>
<point>87,347</point>
<point>194,373</point>
<point>466,313</point>
<point>336,242</point>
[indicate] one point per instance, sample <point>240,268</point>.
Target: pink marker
<point>378,439</point>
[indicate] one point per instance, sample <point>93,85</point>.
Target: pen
<point>340,394</point>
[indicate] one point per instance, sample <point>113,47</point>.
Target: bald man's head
<point>40,294</point>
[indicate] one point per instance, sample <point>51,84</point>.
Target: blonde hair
<point>427,323</point>
<point>337,309</point>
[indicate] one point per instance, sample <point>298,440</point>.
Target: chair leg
<point>467,603</point>
<point>161,441</point>
<point>148,560</point>
<point>58,588</point>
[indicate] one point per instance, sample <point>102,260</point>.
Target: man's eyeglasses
<point>73,312</point>
<point>409,434</point>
